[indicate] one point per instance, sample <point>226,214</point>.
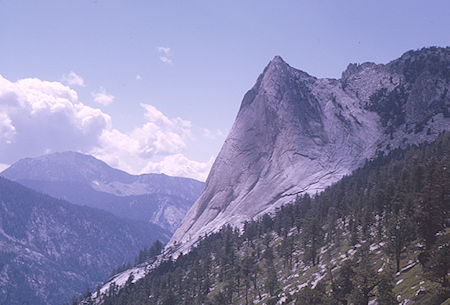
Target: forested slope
<point>380,233</point>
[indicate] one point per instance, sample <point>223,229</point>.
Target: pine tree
<point>436,261</point>
<point>286,249</point>
<point>365,278</point>
<point>342,284</point>
<point>434,202</point>
<point>312,238</point>
<point>399,232</point>
<point>310,296</point>
<point>385,295</point>
<point>271,280</point>
<point>246,271</point>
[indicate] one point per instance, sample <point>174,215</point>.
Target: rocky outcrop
<point>296,134</point>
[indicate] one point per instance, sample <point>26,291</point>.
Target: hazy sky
<point>154,86</point>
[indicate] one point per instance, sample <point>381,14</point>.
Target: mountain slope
<point>297,134</point>
<point>51,250</point>
<point>367,238</point>
<point>85,180</point>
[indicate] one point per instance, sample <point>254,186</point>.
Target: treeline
<point>144,255</point>
<point>396,201</point>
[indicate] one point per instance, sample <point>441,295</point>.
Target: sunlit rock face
<point>297,134</point>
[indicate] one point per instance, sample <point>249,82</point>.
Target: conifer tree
<point>271,280</point>
<point>385,295</point>
<point>399,231</point>
<point>310,296</point>
<point>342,284</point>
<point>436,261</point>
<point>365,278</point>
<point>312,238</point>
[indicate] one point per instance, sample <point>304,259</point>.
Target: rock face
<point>296,134</point>
<point>51,250</point>
<point>85,180</point>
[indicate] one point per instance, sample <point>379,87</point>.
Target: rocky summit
<point>297,134</point>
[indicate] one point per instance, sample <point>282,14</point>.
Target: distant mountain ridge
<point>85,180</point>
<point>51,250</point>
<point>297,134</point>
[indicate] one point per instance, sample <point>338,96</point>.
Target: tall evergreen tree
<point>385,295</point>
<point>365,278</point>
<point>399,232</point>
<point>342,285</point>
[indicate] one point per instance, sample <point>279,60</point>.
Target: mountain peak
<point>297,134</point>
<point>61,166</point>
<point>276,64</point>
<point>280,71</point>
<point>277,59</point>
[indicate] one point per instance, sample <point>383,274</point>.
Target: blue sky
<point>159,83</point>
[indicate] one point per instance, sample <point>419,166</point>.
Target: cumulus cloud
<point>7,130</point>
<point>164,55</point>
<point>102,97</point>
<point>180,165</point>
<point>38,117</point>
<point>73,79</point>
<point>159,136</point>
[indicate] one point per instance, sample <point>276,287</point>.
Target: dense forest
<point>380,233</point>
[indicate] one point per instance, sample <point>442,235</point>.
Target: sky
<point>155,86</point>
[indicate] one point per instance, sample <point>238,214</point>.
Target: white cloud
<point>138,77</point>
<point>102,97</point>
<point>73,79</point>
<point>180,165</point>
<point>165,54</point>
<point>164,50</point>
<point>159,136</point>
<point>38,117</point>
<point>166,60</point>
<point>7,130</point>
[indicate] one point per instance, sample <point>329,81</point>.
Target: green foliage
<point>391,200</point>
<point>342,285</point>
<point>385,294</point>
<point>365,278</point>
<point>436,261</point>
<point>399,233</point>
<point>309,296</point>
<point>312,237</point>
<point>147,254</point>
<point>390,105</point>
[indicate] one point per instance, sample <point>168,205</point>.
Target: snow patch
<point>409,266</point>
